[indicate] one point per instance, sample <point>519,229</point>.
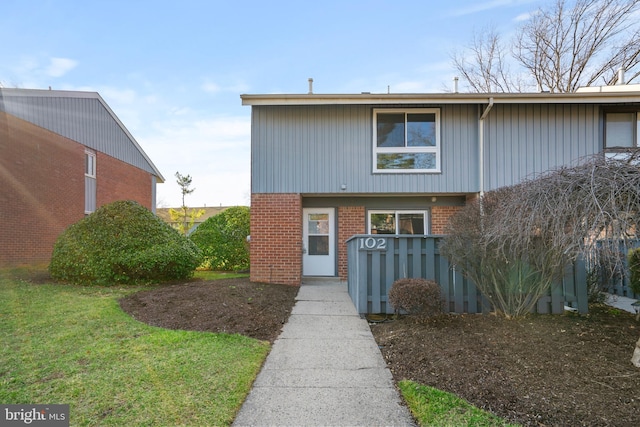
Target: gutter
<point>481,144</point>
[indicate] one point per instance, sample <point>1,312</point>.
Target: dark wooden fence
<point>376,261</point>
<point>619,283</point>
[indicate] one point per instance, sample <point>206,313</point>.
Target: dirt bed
<point>230,305</point>
<point>544,370</point>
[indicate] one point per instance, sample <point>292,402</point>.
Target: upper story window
<point>406,141</point>
<point>398,222</point>
<point>621,130</point>
<point>90,164</point>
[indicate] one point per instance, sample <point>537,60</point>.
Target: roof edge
<point>441,98</point>
<point>50,93</point>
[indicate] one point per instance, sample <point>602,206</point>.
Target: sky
<point>173,71</point>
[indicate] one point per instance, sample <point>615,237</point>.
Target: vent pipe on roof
<point>310,86</point>
<point>621,76</point>
<point>455,84</point>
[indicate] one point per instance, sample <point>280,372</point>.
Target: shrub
<point>223,239</point>
<point>122,243</point>
<point>416,296</point>
<point>634,270</point>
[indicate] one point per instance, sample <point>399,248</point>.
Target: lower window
<point>398,222</point>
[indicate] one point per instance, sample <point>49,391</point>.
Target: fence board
<point>374,266</point>
<point>430,255</point>
<point>376,305</point>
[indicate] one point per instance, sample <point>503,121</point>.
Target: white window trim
<point>91,173</point>
<point>397,214</point>
<point>435,149</point>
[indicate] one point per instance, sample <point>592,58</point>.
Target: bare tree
<point>484,64</point>
<point>562,48</point>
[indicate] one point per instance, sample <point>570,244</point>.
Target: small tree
<point>223,239</point>
<point>184,217</point>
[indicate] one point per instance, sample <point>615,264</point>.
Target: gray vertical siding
<point>524,140</point>
<point>82,119</point>
<point>316,149</point>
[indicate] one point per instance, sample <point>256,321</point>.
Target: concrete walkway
<point>620,302</point>
<point>325,369</point>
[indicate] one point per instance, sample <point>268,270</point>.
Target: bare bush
<point>416,296</point>
<point>515,241</point>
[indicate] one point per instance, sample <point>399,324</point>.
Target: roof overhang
<point>580,97</point>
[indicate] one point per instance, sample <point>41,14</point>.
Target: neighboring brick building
<point>62,155</point>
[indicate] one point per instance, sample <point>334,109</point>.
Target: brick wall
<point>440,217</point>
<point>276,238</point>
<point>117,180</point>
<point>351,220</point>
<point>42,189</point>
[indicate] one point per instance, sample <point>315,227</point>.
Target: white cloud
<point>522,17</point>
<point>488,5</point>
<point>58,67</point>
<point>215,151</point>
<point>212,87</point>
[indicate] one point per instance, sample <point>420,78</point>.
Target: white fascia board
<point>446,98</point>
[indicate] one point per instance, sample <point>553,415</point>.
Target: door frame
<point>326,266</point>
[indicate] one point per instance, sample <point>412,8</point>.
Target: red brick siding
<point>440,217</point>
<point>351,220</point>
<point>42,191</point>
<point>276,238</point>
<point>117,180</point>
<point>42,188</point>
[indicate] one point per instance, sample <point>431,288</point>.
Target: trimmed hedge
<point>223,239</point>
<point>416,296</point>
<point>122,243</point>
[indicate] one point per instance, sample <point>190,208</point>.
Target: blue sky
<point>173,71</point>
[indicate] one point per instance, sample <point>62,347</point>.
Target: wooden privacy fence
<point>619,283</point>
<point>376,261</point>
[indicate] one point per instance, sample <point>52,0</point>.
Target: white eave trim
<point>582,97</point>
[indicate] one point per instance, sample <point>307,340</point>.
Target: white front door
<point>318,249</point>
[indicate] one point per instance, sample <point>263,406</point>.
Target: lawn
<point>74,345</point>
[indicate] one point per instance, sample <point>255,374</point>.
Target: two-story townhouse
<point>327,167</point>
<point>62,155</point>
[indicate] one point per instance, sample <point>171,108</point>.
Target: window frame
<point>89,164</point>
<point>397,212</point>
<point>435,149</point>
<point>635,143</point>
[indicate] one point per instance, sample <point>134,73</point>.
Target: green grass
<point>73,344</point>
<point>433,407</point>
<point>215,275</point>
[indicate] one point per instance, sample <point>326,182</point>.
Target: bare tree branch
<point>484,64</point>
<point>561,48</point>
<point>526,234</point>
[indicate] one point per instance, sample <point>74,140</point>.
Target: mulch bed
<point>237,306</point>
<point>543,370</point>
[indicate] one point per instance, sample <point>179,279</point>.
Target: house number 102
<point>373,244</point>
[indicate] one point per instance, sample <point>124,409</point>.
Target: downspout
<point>481,146</point>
